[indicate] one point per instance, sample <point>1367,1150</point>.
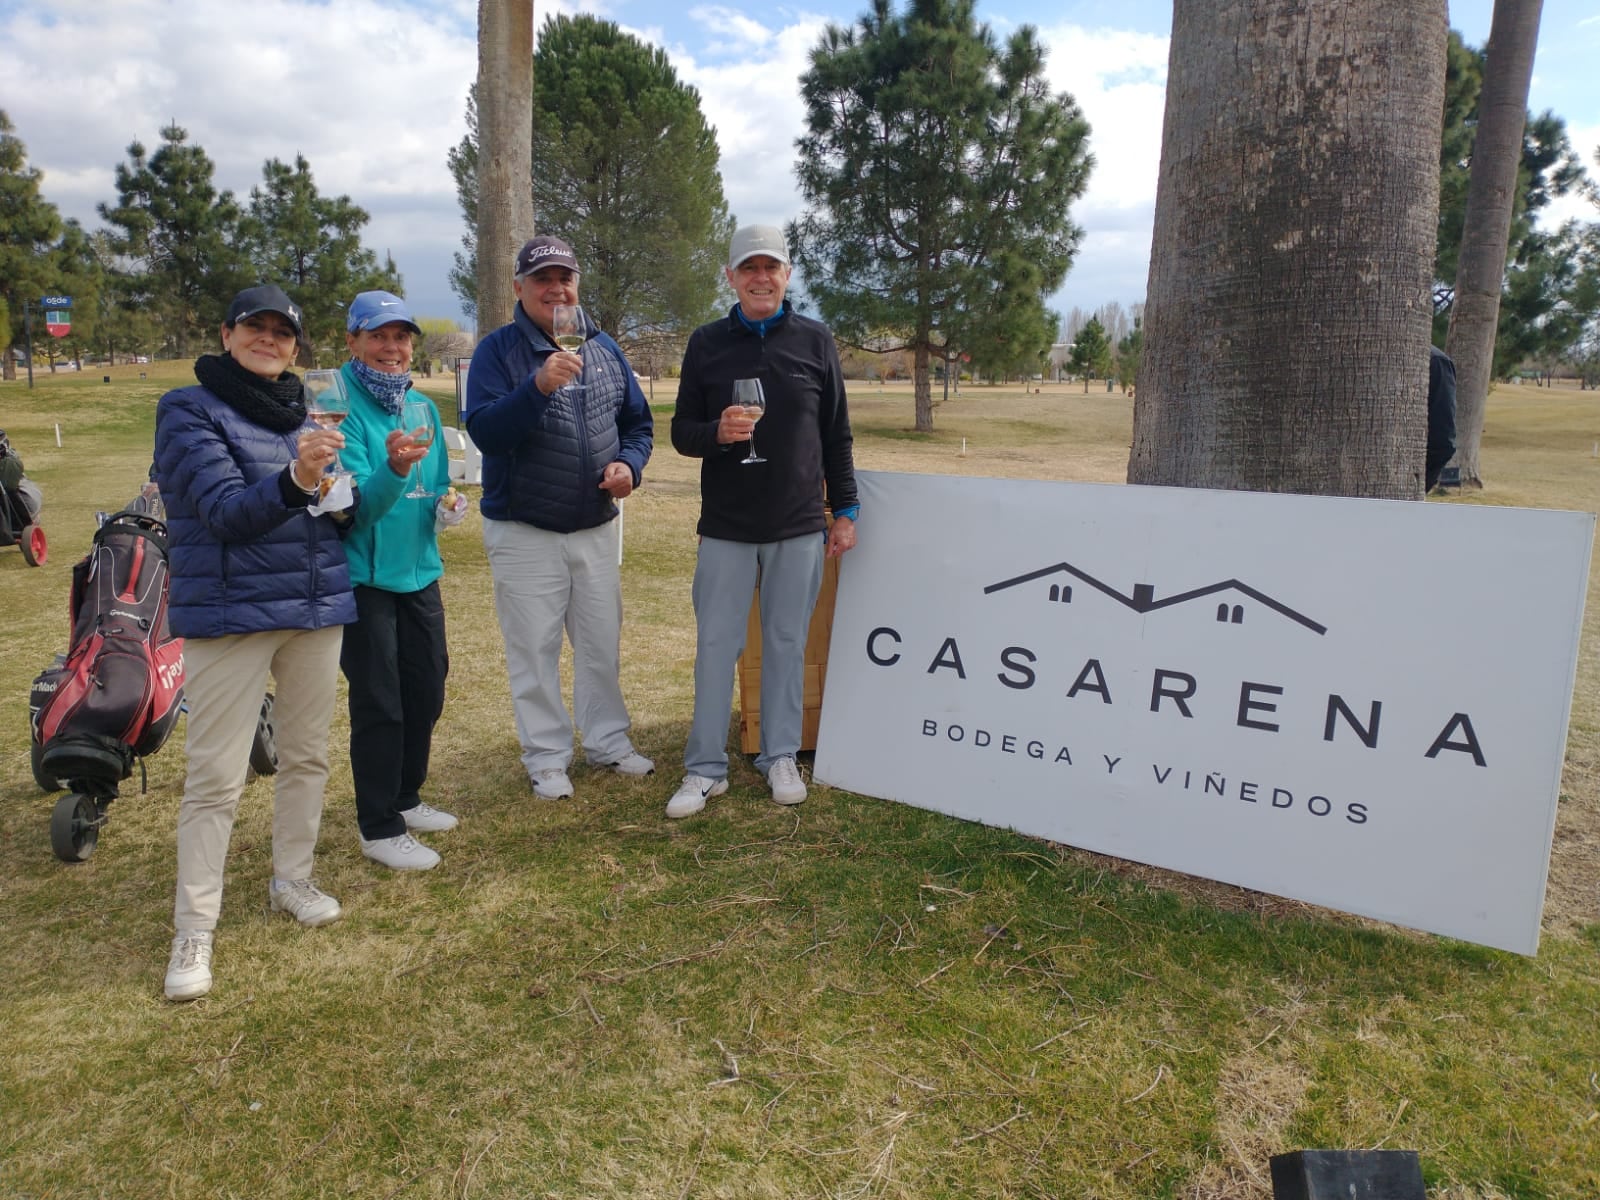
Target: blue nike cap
<point>370,310</point>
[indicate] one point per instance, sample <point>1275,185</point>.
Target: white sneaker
<point>631,763</point>
<point>425,818</point>
<point>551,784</point>
<point>305,902</point>
<point>189,968</point>
<point>783,777</point>
<point>402,853</point>
<point>692,795</point>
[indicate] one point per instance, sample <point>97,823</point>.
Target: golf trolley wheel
<point>35,547</point>
<point>46,783</point>
<point>264,750</point>
<point>75,827</point>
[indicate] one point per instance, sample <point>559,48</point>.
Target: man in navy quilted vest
<point>565,434</point>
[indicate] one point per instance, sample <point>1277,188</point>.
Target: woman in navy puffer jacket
<point>259,586</point>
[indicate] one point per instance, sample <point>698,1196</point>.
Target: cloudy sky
<point>372,92</point>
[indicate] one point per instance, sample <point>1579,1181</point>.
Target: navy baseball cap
<point>545,251</point>
<point>371,310</point>
<point>266,298</point>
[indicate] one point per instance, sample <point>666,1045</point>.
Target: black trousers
<point>396,661</point>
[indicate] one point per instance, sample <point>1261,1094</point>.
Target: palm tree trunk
<point>1486,226</point>
<point>1286,327</point>
<point>505,151</point>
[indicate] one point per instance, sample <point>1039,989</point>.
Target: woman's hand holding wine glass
<point>327,405</point>
<point>416,418</point>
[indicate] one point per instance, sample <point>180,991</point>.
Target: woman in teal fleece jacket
<point>394,656</point>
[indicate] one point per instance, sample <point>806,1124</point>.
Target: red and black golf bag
<point>116,696</point>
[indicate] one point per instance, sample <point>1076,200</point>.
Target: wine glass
<point>747,394</point>
<point>416,418</point>
<point>566,323</point>
<point>327,405</point>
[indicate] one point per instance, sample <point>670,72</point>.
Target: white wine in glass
<point>327,405</point>
<point>566,323</point>
<point>416,418</point>
<point>747,394</point>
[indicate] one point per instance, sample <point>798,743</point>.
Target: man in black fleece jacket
<point>762,520</point>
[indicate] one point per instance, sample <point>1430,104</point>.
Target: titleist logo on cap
<point>545,251</point>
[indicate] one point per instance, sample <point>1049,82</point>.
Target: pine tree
<point>310,245</point>
<point>1091,353</point>
<point>180,234</point>
<point>29,226</point>
<point>625,168</point>
<point>936,166</point>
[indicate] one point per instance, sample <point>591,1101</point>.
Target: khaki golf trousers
<point>225,681</point>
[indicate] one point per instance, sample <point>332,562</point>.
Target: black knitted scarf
<point>275,404</point>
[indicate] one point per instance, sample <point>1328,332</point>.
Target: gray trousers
<point>725,576</point>
<point>546,584</point>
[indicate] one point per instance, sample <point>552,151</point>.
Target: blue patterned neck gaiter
<point>388,390</point>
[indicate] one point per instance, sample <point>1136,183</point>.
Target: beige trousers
<point>225,680</point>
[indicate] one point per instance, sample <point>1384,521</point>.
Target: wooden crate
<point>816,666</point>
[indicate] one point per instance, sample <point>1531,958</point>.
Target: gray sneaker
<point>631,763</point>
<point>189,968</point>
<point>401,853</point>
<point>692,795</point>
<point>551,784</point>
<point>305,902</point>
<point>783,777</point>
<point>425,818</point>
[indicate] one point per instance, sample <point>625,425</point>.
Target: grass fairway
<point>849,999</point>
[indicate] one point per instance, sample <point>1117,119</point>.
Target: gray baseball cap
<point>753,240</point>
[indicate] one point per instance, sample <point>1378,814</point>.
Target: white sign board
<point>1358,703</point>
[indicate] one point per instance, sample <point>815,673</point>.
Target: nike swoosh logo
<point>387,303</point>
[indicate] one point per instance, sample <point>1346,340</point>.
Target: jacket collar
<point>760,328</point>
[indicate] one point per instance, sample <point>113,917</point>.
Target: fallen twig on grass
<point>1062,1034</point>
<point>983,1133</point>
<point>1271,1033</point>
<point>695,1167</point>
<point>916,1083</point>
<point>736,900</point>
<point>467,1182</point>
<point>1003,928</point>
<point>276,1171</point>
<point>730,1064</point>
<point>620,976</point>
<point>1160,1071</point>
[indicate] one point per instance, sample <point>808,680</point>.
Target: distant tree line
<point>175,249</point>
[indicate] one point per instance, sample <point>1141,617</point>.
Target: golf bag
<point>20,504</point>
<point>116,696</point>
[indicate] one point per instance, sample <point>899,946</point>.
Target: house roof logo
<point>1143,599</point>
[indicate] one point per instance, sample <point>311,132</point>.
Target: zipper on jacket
<point>580,413</point>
